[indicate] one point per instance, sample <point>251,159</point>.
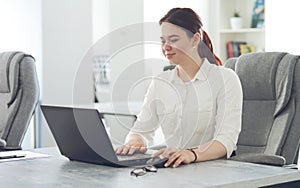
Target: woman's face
<point>177,46</point>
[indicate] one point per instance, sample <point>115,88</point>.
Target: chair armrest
<point>10,148</point>
<point>260,158</point>
<point>3,146</point>
<point>2,143</point>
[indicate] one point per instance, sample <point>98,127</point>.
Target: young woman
<point>198,104</point>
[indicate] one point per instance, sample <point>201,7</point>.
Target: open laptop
<point>81,136</point>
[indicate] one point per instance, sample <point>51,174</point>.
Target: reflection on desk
<point>58,171</point>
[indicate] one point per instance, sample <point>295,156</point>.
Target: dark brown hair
<point>189,20</point>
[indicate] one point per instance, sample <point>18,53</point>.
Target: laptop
<point>81,136</point>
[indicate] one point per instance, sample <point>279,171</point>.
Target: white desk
<point>58,171</point>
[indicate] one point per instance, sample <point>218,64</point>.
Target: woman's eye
<point>173,41</point>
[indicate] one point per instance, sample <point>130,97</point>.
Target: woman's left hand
<point>175,156</point>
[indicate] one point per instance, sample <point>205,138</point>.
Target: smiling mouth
<point>169,55</point>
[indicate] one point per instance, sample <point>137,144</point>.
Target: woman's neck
<point>188,70</point>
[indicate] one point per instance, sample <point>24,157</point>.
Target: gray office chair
<point>19,93</point>
<point>271,110</point>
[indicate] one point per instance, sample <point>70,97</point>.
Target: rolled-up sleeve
<point>229,111</point>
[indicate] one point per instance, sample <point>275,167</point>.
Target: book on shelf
<point>247,48</point>
<point>237,48</point>
<point>229,50</point>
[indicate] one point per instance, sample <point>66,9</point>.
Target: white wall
<point>154,10</point>
<point>21,27</point>
<point>100,16</point>
<point>67,35</point>
<point>116,28</point>
<point>21,31</point>
<point>282,28</point>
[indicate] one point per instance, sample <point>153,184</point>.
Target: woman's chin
<point>172,62</point>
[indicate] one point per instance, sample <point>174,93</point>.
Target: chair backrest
<point>271,108</point>
<point>19,93</point>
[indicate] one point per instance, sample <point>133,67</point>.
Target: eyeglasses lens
<point>138,172</point>
<point>142,171</point>
<point>150,168</point>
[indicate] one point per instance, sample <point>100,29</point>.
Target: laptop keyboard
<point>133,157</point>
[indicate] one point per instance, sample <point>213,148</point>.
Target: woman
<point>198,104</point>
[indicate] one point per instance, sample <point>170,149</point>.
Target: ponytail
<point>205,49</point>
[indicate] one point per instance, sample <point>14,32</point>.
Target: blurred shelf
<point>243,30</point>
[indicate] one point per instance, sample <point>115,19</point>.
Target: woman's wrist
<point>194,153</point>
<point>137,139</point>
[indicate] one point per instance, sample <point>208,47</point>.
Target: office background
<point>59,32</point>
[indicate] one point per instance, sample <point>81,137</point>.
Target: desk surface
<point>58,171</point>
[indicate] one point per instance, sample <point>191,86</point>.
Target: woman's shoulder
<point>227,73</point>
<point>167,74</point>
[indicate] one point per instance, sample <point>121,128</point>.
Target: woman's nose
<point>167,47</point>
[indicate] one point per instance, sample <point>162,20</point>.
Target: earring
<point>194,47</point>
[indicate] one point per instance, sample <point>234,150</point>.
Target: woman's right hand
<point>135,144</point>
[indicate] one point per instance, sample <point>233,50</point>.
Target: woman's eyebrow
<point>171,36</point>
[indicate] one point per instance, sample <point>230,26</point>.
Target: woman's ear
<point>197,39</point>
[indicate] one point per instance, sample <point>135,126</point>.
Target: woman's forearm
<point>210,150</point>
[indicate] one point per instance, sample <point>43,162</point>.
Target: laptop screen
<point>79,133</point>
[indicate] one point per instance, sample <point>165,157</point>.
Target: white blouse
<point>209,107</point>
